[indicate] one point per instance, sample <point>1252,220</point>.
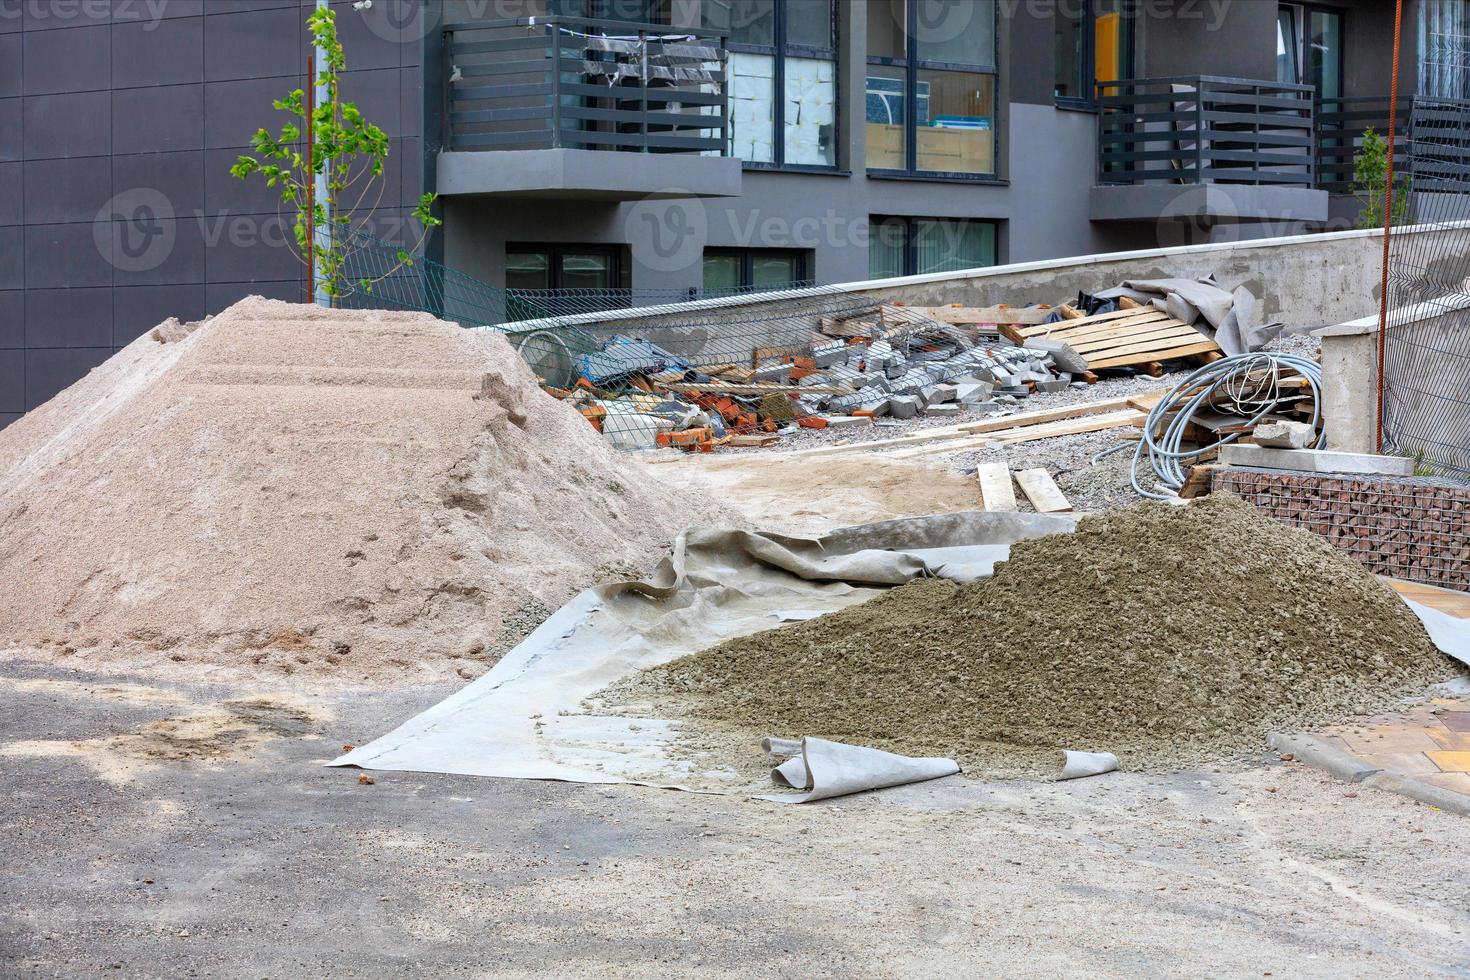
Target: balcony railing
<point>1205,130</point>
<point>570,82</point>
<point>1340,127</point>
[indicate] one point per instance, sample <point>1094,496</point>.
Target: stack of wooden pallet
<point>1138,336</point>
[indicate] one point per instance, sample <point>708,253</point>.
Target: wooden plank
<point>1148,332</point>
<point>1152,354</point>
<point>1043,492</point>
<point>1046,415</point>
<point>1075,323</point>
<point>1069,330</point>
<point>996,491</point>
<point>1148,401</point>
<point>1072,427</point>
<point>983,314</point>
<point>1114,332</point>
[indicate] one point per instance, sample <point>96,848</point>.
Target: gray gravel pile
<point>1171,636</point>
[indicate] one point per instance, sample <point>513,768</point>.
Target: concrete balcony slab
<point>1218,203</point>
<point>588,175</point>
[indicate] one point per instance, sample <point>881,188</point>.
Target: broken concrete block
<point>1285,434</point>
<point>1053,386</point>
<point>848,421</point>
<point>828,356</point>
<point>985,406</point>
<point>942,393</point>
<point>903,406</point>
<point>1062,355</point>
<point>966,392</point>
<point>944,409</point>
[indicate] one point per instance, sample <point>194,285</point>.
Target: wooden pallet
<point>1122,338</point>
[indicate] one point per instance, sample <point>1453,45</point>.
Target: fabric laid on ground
<point>526,717</point>
<point>821,770</point>
<point>341,495</point>
<point>529,717</point>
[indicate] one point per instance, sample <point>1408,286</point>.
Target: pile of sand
<point>1168,635</point>
<point>286,488</point>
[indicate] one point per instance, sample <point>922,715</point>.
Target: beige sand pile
<point>348,493</point>
<point>1168,635</point>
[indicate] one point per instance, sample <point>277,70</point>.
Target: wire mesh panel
<point>1426,351</point>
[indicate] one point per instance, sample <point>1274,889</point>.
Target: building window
<point>920,246</point>
<point>585,267</point>
<point>734,270</point>
<point>931,88</point>
<point>1444,49</point>
<point>782,79</point>
<point>1309,48</point>
<point>1094,43</point>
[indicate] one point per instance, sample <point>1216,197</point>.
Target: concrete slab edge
<point>1349,768</point>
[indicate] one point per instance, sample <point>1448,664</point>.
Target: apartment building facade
<point>654,148</point>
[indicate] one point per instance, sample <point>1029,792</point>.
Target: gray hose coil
<point>1251,397</point>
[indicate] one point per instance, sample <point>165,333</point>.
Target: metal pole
<point>323,298</point>
<point>311,186</point>
<point>1393,106</point>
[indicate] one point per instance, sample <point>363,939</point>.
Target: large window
<point>733,270</point>
<point>931,89</point>
<point>1094,43</point>
<point>920,246</point>
<point>593,267</point>
<point>1444,48</point>
<point>1309,48</point>
<point>782,79</point>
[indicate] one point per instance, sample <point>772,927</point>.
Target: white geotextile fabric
<point>525,718</point>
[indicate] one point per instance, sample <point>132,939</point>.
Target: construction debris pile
<point>891,360</point>
<point>354,494</point>
<point>1170,636</point>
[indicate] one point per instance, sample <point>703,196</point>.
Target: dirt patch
<point>331,494</point>
<point>230,730</point>
<point>1169,635</point>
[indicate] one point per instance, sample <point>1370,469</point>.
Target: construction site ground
<point>220,846</point>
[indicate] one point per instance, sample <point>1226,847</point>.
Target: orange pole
<point>1393,107</point>
<point>310,181</point>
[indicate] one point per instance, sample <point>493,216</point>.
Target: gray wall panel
<point>75,125</point>
<point>12,318</point>
<point>12,197</point>
<point>256,44</point>
<point>164,52</point>
<point>12,257</point>
<point>178,176</point>
<point>66,256</point>
<point>12,381</point>
<point>61,191</point>
<point>78,59</point>
<point>10,129</point>
<point>150,120</point>
<point>68,318</point>
<point>10,76</point>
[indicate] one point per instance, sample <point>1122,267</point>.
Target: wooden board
<point>996,491</point>
<point>1071,427</point>
<point>1141,336</point>
<point>1153,355</point>
<point>1090,328</point>
<point>1046,415</point>
<point>1042,491</point>
<point>982,314</point>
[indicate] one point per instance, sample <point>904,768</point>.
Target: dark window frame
<point>1303,27</point>
<point>780,51</point>
<point>1088,102</point>
<point>912,64</point>
<point>911,242</point>
<point>618,265</point>
<point>748,256</point>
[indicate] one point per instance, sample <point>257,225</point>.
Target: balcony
<point>1216,150</point>
<point>1431,141</point>
<point>573,108</point>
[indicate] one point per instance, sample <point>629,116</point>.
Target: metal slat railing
<point>580,83</point>
<point>1200,129</point>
